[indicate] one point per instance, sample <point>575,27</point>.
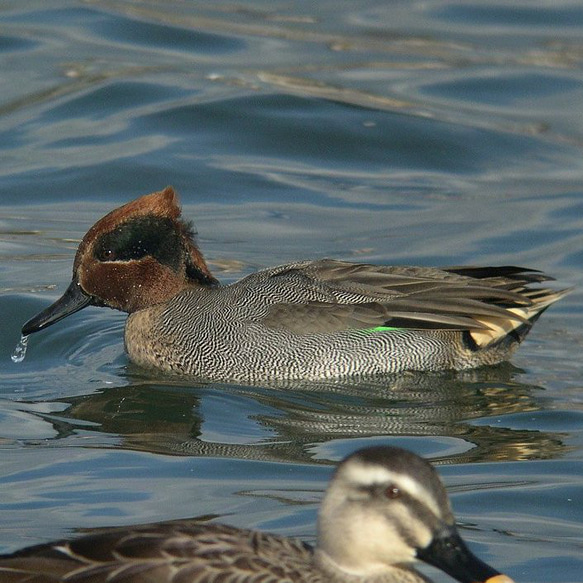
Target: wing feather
<point>176,552</point>
<point>330,296</point>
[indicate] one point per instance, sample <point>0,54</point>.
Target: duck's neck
<point>200,277</point>
<point>381,574</point>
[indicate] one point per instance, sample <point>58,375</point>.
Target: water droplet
<point>20,350</point>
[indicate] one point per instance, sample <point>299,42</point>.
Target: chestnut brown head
<point>136,256</point>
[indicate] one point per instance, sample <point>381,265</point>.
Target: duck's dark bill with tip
<point>449,553</point>
<point>70,302</point>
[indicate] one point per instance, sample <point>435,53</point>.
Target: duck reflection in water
<point>279,423</point>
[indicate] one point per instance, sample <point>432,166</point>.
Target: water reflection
<point>280,424</point>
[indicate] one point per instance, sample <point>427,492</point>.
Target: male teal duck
<point>305,321</point>
<point>384,508</point>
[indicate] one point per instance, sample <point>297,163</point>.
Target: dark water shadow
<point>282,423</point>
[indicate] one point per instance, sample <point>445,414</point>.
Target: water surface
<point>398,133</point>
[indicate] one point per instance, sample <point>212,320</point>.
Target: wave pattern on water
<point>396,133</point>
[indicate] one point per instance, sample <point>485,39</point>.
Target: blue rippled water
<point>390,132</point>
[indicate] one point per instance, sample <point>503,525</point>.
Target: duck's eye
<point>392,492</point>
<point>107,255</point>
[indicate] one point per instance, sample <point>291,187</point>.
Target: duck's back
<point>173,552</point>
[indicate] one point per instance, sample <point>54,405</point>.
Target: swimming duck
<point>306,320</point>
<point>385,507</point>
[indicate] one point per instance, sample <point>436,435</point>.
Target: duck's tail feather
<point>517,323</point>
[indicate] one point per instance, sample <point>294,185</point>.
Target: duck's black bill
<point>449,553</point>
<point>73,300</point>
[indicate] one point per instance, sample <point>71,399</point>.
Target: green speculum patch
<point>381,329</point>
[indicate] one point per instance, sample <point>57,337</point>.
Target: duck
<point>307,320</point>
<point>384,508</point>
